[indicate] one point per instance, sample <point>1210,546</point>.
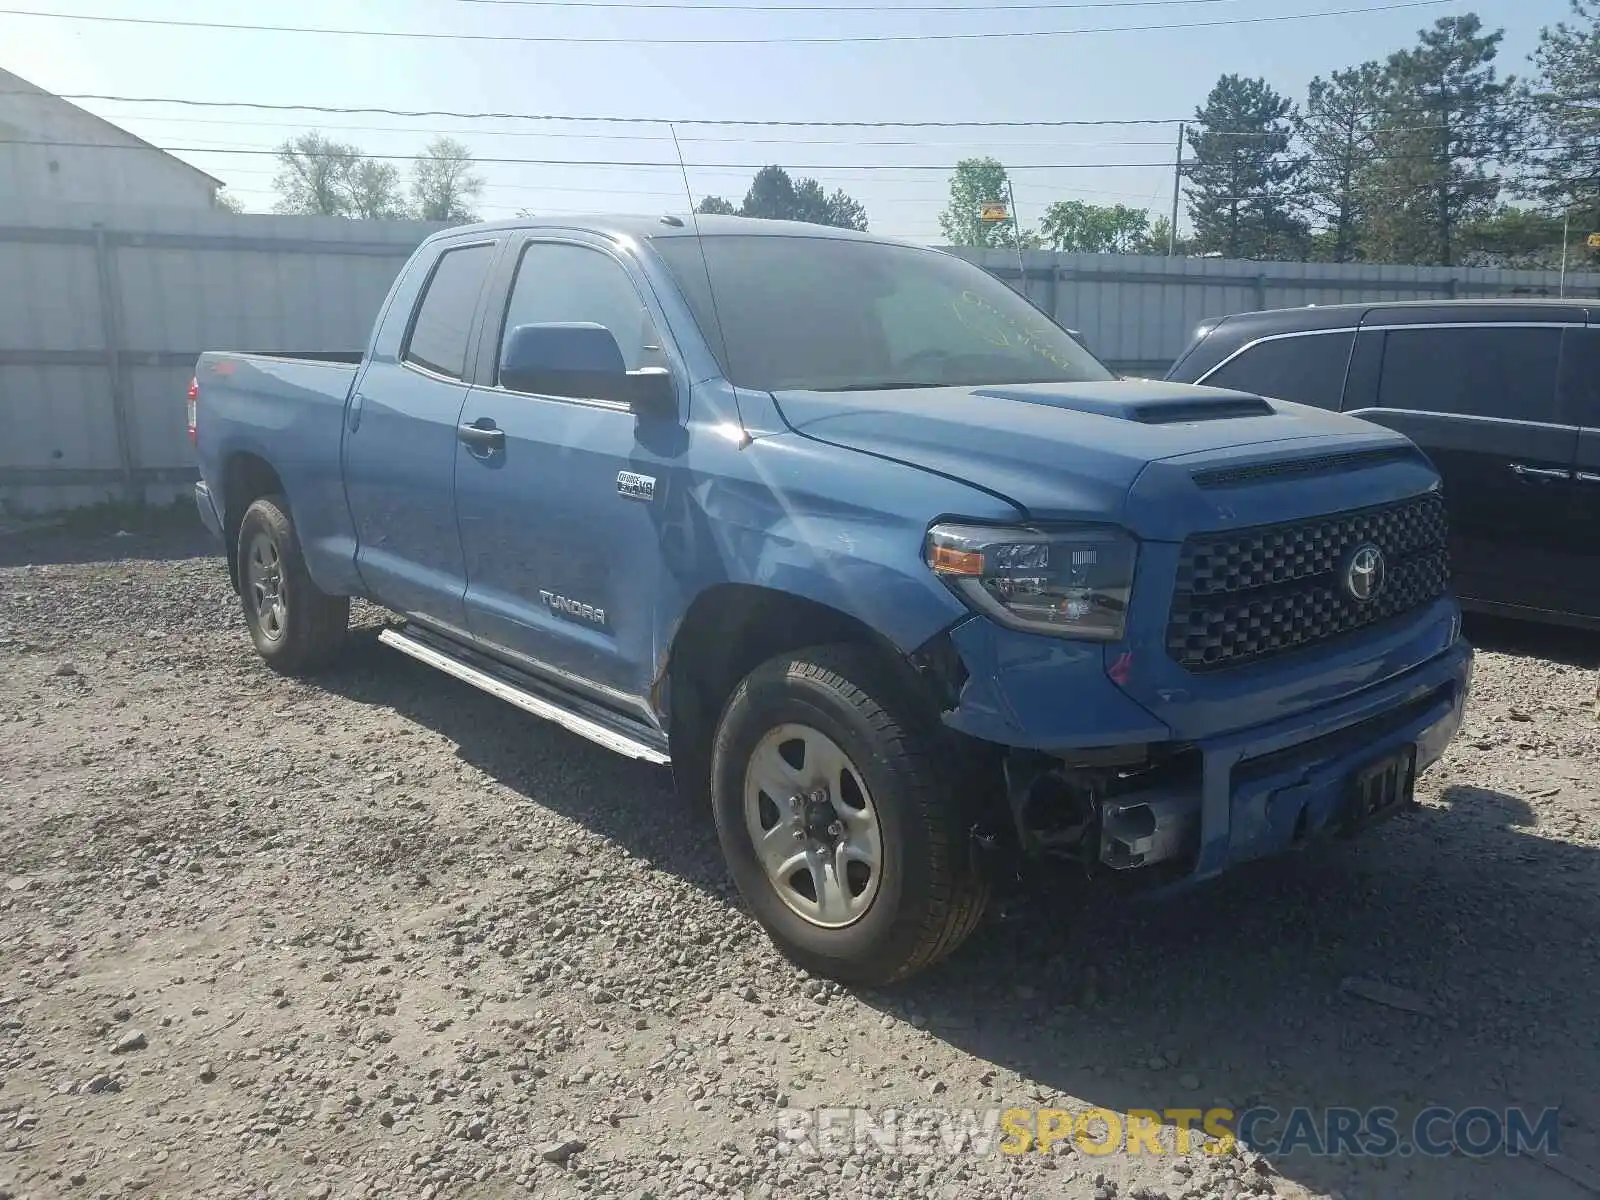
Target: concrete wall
<point>85,160</point>
<point>104,310</point>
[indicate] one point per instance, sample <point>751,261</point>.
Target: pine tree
<point>1337,132</point>
<point>1565,102</point>
<point>1449,128</point>
<point>1243,189</point>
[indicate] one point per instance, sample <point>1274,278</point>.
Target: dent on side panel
<point>814,521</point>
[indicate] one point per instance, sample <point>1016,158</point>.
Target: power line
<point>715,122</point>
<point>620,137</point>
<point>841,8</point>
<point>831,40</point>
<point>645,164</point>
<point>342,110</point>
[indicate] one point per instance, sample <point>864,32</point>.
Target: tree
<point>1159,240</point>
<point>227,202</point>
<point>311,176</point>
<point>846,212</point>
<point>1337,131</point>
<point>775,196</point>
<point>1083,228</point>
<point>976,182</point>
<point>1564,99</point>
<point>1244,183</point>
<point>443,185</point>
<point>1449,126</point>
<point>1511,238</point>
<point>372,190</point>
<point>715,206</point>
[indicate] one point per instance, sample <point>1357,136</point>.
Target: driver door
<point>562,543</point>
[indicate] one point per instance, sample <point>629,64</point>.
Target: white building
<point>54,151</point>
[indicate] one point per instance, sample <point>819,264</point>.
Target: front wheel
<point>838,813</point>
<point>296,626</point>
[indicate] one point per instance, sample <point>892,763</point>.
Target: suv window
<point>557,282</point>
<point>438,338</point>
<point>1580,370</point>
<point>1472,371</point>
<point>1304,369</point>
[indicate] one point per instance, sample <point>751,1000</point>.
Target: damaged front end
<point>1116,810</point>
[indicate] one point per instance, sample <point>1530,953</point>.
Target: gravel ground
<point>382,935</point>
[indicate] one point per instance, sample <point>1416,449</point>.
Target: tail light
<point>194,410</point>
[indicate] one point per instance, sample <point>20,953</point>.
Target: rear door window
<point>439,332</point>
<point>1302,368</point>
<point>1475,371</point>
<point>1580,378</point>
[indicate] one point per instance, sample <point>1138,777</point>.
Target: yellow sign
<point>994,210</point>
<point>1594,240</point>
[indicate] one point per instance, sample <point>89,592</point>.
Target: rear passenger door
<point>1481,401</point>
<point>400,437</point>
<point>1580,375</point>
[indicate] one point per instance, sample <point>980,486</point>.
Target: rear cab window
<point>1303,368</point>
<point>442,323</point>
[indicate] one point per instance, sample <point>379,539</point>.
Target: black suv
<point>1502,395</point>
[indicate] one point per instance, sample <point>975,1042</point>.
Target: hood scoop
<point>1144,401</point>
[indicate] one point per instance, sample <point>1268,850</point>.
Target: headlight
<point>1068,582</point>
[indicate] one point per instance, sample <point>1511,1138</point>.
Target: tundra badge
<point>636,487</point>
<point>573,608</point>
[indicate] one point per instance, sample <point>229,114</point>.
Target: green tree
<point>715,206</point>
<point>312,170</point>
<point>1449,127</point>
<point>776,196</point>
<point>1159,240</point>
<point>1337,131</point>
<point>227,202</point>
<point>976,182</point>
<point>1244,182</point>
<point>1512,238</point>
<point>1564,98</point>
<point>443,184</point>
<point>372,190</point>
<point>1083,228</point>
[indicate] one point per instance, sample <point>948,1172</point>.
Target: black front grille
<point>1250,593</point>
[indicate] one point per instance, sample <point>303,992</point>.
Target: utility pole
<point>1016,233</point>
<point>1177,175</point>
<point>1566,236</point>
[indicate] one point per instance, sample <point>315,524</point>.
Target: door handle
<point>1588,477</point>
<point>482,438</point>
<point>356,402</point>
<point>1523,471</point>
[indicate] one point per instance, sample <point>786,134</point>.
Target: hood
<point>1072,450</point>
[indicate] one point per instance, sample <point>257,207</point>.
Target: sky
<point>901,175</point>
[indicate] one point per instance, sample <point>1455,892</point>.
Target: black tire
<point>304,632</point>
<point>931,891</point>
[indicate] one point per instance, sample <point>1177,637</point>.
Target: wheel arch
<point>246,477</point>
<point>732,628</point>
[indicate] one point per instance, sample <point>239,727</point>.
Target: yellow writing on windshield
<point>998,329</point>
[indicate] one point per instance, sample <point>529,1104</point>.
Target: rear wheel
<point>296,626</point>
<point>839,816</point>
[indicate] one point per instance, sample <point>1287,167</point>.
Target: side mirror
<point>582,360</point>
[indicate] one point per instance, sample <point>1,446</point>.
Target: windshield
<point>836,314</point>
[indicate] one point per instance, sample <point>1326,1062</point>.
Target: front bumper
<point>1221,798</point>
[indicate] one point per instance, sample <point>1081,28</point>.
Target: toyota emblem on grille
<point>1363,573</point>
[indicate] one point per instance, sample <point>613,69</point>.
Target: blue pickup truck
<point>867,548</point>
